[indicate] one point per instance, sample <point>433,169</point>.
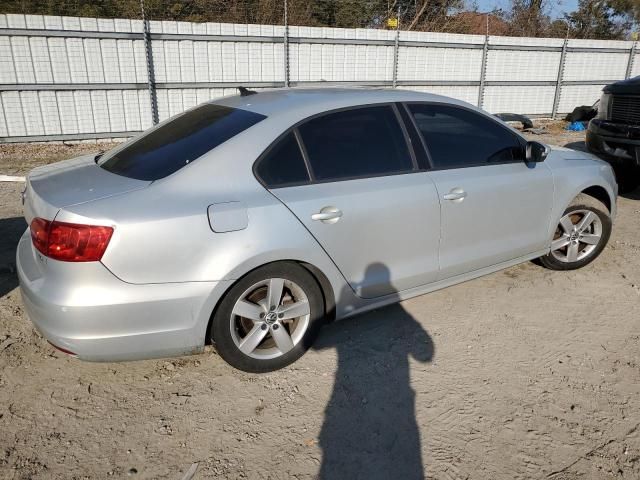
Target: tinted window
<point>356,143</point>
<point>283,164</point>
<point>457,137</point>
<point>179,142</point>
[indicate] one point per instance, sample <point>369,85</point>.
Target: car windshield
<point>178,142</point>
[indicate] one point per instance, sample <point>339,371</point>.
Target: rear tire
<point>269,318</point>
<point>581,235</point>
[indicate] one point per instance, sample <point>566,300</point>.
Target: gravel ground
<point>523,374</point>
<point>20,158</point>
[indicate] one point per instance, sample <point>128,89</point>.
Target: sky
<point>558,7</point>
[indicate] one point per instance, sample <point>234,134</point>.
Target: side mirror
<point>536,152</point>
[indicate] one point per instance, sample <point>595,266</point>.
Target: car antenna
<point>245,92</point>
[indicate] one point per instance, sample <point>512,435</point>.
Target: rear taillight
<point>40,233</point>
<point>70,242</point>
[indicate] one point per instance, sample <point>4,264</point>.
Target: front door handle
<point>328,215</point>
<point>455,195</point>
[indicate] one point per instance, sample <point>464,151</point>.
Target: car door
<point>495,207</point>
<point>358,190</point>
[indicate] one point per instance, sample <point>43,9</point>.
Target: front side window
<point>178,142</point>
<point>456,137</point>
<point>283,164</point>
<point>361,142</point>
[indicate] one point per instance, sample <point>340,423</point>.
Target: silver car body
<point>180,242</point>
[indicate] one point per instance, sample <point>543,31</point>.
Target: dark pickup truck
<point>614,134</point>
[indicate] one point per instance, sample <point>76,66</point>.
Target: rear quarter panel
<point>160,237</point>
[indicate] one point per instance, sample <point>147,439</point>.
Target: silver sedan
<point>251,220</point>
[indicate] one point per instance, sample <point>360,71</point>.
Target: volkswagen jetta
<point>248,221</point>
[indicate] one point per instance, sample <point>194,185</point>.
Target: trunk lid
<point>71,182</point>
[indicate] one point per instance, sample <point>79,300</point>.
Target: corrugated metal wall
<point>64,77</point>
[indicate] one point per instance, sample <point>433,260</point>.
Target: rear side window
<point>283,164</point>
<point>457,137</point>
<point>356,143</point>
<point>180,141</point>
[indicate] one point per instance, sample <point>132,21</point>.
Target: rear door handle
<point>455,195</point>
<point>328,215</point>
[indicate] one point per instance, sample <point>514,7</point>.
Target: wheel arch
<point>601,194</point>
<point>593,198</point>
<point>325,287</point>
<point>568,188</point>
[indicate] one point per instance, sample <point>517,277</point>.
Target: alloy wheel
<point>577,235</point>
<point>270,318</point>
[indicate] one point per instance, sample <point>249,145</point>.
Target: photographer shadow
<point>370,429</point>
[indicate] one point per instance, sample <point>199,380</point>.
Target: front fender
<point>570,180</point>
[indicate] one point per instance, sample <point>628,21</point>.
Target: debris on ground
<point>11,178</point>
<point>191,472</point>
<point>515,117</point>
<point>582,114</point>
<point>576,127</point>
<point>7,343</point>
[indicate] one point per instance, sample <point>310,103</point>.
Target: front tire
<point>269,318</point>
<point>581,235</point>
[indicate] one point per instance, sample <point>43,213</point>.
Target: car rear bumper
<point>616,142</point>
<point>86,310</point>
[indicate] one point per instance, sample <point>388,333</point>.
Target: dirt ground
<point>523,374</point>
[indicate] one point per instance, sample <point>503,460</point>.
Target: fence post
<point>556,97</point>
<point>632,56</point>
<point>483,70</point>
<point>286,44</point>
<point>396,51</point>
<point>151,77</point>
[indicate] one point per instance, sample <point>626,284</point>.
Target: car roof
<point>299,103</point>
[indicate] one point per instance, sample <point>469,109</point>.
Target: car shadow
<point>370,429</point>
<point>634,195</point>
<point>11,230</point>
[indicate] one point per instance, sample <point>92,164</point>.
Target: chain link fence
<point>124,66</point>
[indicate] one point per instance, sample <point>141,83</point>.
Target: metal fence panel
<point>465,93</point>
<point>535,100</point>
<point>595,66</point>
<point>573,95</point>
<point>67,77</point>
<point>426,63</point>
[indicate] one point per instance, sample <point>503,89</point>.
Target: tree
<point>607,19</point>
<point>429,15</point>
<point>604,19</point>
<point>529,18</point>
<point>559,28</point>
<point>628,8</point>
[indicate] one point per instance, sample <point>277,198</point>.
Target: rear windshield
<point>180,141</point>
